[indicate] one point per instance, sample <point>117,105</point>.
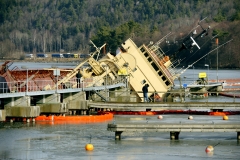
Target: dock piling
<point>174,135</point>
<point>118,135</point>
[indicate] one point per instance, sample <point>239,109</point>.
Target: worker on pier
<point>145,92</point>
<point>78,76</point>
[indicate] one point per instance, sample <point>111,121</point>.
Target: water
<point>191,75</point>
<point>67,141</point>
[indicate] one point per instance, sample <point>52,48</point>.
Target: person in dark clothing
<point>78,76</point>
<point>145,92</point>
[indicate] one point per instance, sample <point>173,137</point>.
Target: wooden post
<point>118,135</point>
<point>174,135</point>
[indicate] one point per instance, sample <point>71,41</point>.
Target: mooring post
<point>174,135</point>
<point>118,135</point>
<point>238,135</point>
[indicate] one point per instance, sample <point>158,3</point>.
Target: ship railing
<point>45,85</point>
<point>171,67</point>
<point>156,45</point>
<point>160,53</point>
<point>182,96</point>
<point>166,70</point>
<point>106,81</point>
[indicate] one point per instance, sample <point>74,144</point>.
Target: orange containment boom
<point>219,113</point>
<point>76,119</point>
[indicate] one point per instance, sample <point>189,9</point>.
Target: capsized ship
<point>146,64</point>
<point>142,65</point>
<point>137,65</point>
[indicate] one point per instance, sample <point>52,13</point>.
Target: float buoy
<point>89,147</point>
<point>225,117</point>
<point>209,149</point>
<point>160,117</point>
<point>190,117</point>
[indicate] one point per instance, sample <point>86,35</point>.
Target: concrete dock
<point>173,128</point>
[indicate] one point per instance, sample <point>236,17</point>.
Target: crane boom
<point>75,70</point>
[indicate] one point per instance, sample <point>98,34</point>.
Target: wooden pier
<point>173,128</point>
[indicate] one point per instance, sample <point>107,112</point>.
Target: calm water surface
<point>67,141</point>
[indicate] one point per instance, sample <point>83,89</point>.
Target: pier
<point>26,94</point>
<point>173,128</point>
<point>157,106</point>
<point>29,103</point>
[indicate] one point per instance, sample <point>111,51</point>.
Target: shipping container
<point>57,55</point>
<point>42,55</point>
<point>76,55</point>
<point>84,56</point>
<point>29,56</point>
<point>68,55</point>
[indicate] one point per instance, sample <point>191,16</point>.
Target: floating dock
<point>166,106</point>
<point>173,128</point>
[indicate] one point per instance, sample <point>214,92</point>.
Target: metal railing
<point>50,85</point>
<point>131,96</point>
<point>175,96</point>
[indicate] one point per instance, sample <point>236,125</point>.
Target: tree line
<point>32,26</point>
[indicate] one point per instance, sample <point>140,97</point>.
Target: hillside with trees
<point>53,26</point>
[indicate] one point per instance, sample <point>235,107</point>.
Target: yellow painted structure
<point>140,65</point>
<point>202,75</point>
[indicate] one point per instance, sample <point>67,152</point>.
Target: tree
<point>6,48</point>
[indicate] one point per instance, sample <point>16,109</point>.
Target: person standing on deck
<point>78,76</point>
<point>145,92</point>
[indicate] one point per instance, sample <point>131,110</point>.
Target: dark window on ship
<point>142,49</point>
<point>167,83</point>
<point>163,78</point>
<point>143,81</point>
<point>146,54</point>
<point>160,73</point>
<point>155,66</point>
<point>149,59</point>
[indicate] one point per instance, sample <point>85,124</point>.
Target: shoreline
<point>75,60</point>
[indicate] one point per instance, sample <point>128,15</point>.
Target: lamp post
<point>106,70</point>
<point>128,80</point>
<point>206,65</point>
<point>193,70</point>
<point>184,81</point>
<point>56,72</point>
<point>24,67</point>
<point>217,58</point>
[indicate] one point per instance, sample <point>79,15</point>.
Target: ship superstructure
<point>146,66</point>
<point>142,65</point>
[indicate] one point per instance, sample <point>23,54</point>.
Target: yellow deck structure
<point>140,65</point>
